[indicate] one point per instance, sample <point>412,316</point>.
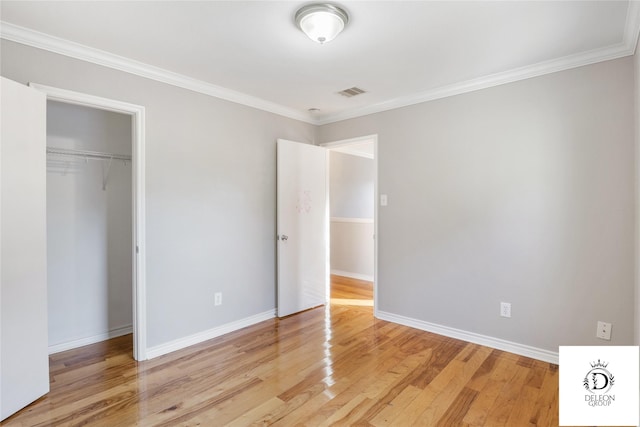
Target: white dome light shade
<point>321,22</point>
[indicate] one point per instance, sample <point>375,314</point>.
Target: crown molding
<point>71,49</point>
<point>498,79</point>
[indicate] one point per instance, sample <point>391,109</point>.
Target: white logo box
<point>599,385</point>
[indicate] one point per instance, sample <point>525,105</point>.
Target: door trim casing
<point>137,113</point>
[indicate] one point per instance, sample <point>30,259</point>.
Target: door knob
<point>284,237</point>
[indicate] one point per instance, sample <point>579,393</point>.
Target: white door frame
<point>137,114</point>
<point>356,141</point>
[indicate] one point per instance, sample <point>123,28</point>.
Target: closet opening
<point>89,225</point>
<point>95,221</point>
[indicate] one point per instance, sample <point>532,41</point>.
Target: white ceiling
<point>400,52</point>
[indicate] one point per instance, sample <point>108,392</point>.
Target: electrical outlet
<point>604,331</point>
<point>505,309</point>
<point>218,298</point>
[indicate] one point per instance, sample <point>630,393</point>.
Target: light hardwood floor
<point>325,366</point>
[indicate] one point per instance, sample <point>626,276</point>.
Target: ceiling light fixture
<point>321,22</point>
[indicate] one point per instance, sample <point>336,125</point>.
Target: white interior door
<point>302,227</point>
<point>24,360</point>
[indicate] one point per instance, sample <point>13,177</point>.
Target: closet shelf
<point>91,155</point>
<point>85,154</point>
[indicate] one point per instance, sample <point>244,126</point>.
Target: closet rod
<point>84,154</point>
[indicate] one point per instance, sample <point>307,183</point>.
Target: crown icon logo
<point>599,364</point>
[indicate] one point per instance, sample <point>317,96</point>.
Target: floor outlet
<point>604,331</point>
<point>505,309</point>
<point>218,298</point>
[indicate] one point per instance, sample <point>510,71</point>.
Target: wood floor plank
<point>341,414</point>
<point>545,411</point>
<point>479,408</point>
<point>362,385</point>
<point>392,411</point>
<point>251,416</point>
<point>278,413</point>
<point>311,405</point>
<point>327,366</point>
<point>455,413</point>
<point>483,374</point>
<point>503,372</point>
<point>438,395</point>
<point>501,411</point>
<point>448,395</point>
<point>386,398</point>
<point>523,407</point>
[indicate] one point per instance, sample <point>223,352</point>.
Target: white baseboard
<point>497,343</point>
<point>190,340</point>
<point>353,275</point>
<point>57,348</point>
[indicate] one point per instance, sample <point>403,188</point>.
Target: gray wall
<point>352,249</point>
<point>521,193</point>
<point>210,191</point>
<point>89,238</point>
<point>637,122</point>
<point>351,185</point>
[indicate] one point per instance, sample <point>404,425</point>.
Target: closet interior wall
<point>89,227</point>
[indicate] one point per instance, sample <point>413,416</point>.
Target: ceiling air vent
<point>352,91</point>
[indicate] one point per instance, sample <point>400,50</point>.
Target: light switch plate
<point>383,200</point>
